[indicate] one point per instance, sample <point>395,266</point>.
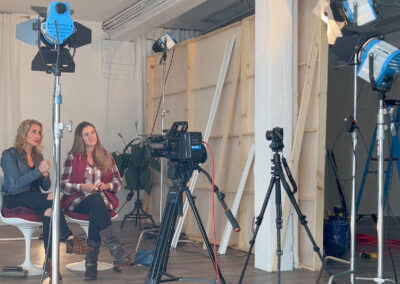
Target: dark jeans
<point>99,215</point>
<point>38,201</point>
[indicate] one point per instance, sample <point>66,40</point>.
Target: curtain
<point>10,108</point>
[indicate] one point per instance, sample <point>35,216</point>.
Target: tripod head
<point>180,172</point>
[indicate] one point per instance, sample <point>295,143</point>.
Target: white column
<point>273,108</point>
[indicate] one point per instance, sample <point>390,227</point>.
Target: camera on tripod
<point>178,145</point>
<point>276,136</point>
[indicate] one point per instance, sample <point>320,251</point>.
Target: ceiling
<point>209,15</point>
<point>84,10</point>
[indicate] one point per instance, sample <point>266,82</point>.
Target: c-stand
<point>180,174</point>
<point>277,178</point>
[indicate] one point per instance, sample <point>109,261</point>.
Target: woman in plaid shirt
<point>89,183</point>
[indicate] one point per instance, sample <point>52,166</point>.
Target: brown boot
<point>91,261</point>
<point>49,269</point>
<point>76,246</point>
<point>115,247</point>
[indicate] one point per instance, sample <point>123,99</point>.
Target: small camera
<point>276,136</point>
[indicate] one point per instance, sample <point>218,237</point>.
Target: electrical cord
<point>213,212</point>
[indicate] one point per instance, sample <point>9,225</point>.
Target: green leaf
<point>135,164</point>
<point>145,177</point>
<point>155,164</point>
<point>119,161</point>
<point>132,178</point>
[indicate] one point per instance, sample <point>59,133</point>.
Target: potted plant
<point>134,164</point>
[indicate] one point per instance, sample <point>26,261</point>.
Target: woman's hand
<point>103,186</point>
<point>89,187</point>
<point>50,196</point>
<point>44,167</point>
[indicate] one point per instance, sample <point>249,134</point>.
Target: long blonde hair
<point>20,138</point>
<point>101,158</point>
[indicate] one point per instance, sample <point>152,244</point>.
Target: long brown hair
<point>20,138</point>
<point>101,158</point>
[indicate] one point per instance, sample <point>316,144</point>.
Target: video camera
<point>276,135</point>
<point>178,145</point>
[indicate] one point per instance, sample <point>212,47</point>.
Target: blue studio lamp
<point>58,26</point>
<point>386,61</point>
<point>365,11</point>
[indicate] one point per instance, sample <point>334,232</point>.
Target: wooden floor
<point>188,261</point>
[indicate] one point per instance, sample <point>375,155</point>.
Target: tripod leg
<point>278,203</point>
<point>258,223</point>
<point>147,215</point>
<point>161,251</point>
<point>203,233</point>
<point>302,218</point>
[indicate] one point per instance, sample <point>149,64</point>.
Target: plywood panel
<point>189,96</point>
<point>190,92</point>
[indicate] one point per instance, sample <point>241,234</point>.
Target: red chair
<point>83,221</point>
<point>27,221</point>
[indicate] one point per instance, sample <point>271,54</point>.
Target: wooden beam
<point>210,121</point>
<point>236,202</point>
<point>320,171</point>
<point>227,129</point>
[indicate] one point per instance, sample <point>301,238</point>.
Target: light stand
<point>57,135</point>
<point>163,62</point>
<point>56,30</point>
<point>353,179</point>
<point>380,139</point>
<point>163,44</point>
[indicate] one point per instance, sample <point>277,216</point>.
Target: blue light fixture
<point>59,35</point>
<point>59,25</point>
<point>386,61</point>
<point>365,11</point>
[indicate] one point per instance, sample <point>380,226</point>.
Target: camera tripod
<point>180,174</point>
<point>277,178</point>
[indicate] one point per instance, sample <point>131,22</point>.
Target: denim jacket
<point>18,176</point>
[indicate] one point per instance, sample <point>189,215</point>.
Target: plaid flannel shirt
<point>92,175</point>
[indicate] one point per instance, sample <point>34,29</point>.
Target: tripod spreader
<point>221,198</point>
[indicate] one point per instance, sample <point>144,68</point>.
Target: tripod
<point>180,174</point>
<point>137,213</point>
<point>277,178</point>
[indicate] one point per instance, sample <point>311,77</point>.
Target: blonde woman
<point>25,174</point>
<point>89,183</point>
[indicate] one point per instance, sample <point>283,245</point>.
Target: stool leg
<point>32,269</point>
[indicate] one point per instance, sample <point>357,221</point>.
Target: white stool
<point>83,221</point>
<point>27,221</point>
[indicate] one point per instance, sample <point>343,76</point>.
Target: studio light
<point>58,26</point>
<point>57,31</point>
<point>344,11</point>
<point>386,61</point>
<point>164,43</point>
